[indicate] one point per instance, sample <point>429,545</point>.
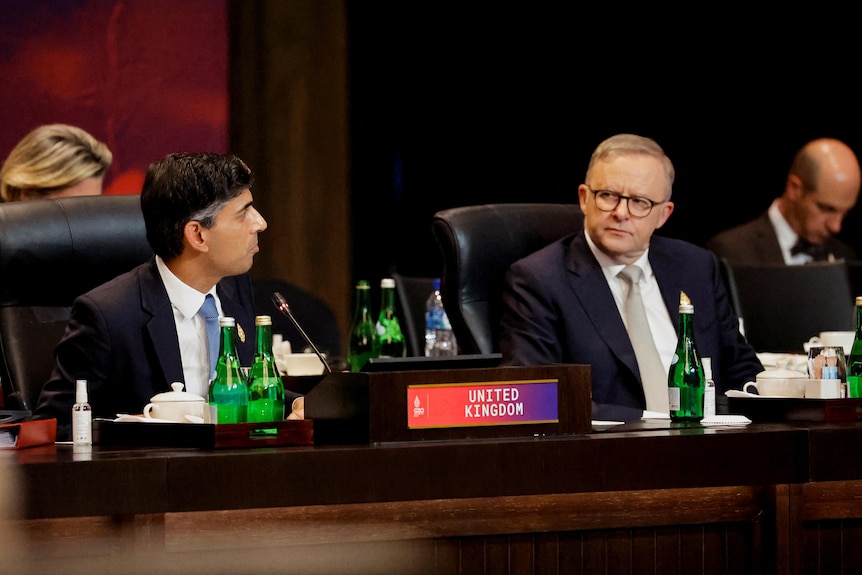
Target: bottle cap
<point>226,321</point>
<point>81,391</point>
<point>859,300</point>
<point>685,305</point>
<point>387,283</point>
<point>263,320</point>
<point>707,367</point>
<point>363,284</point>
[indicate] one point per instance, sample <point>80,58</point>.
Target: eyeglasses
<point>607,201</point>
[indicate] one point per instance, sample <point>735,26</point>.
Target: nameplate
<point>362,407</point>
<point>442,405</point>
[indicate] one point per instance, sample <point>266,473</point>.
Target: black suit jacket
<point>755,243</point>
<point>558,308</point>
<point>122,339</point>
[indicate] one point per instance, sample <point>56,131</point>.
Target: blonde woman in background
<point>54,161</point>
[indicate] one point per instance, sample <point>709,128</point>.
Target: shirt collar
<point>611,269</point>
<point>183,297</point>
<point>783,232</point>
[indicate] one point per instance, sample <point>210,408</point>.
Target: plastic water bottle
<point>708,389</point>
<point>439,339</point>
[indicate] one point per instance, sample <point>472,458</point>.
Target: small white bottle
<point>708,388</point>
<point>82,416</point>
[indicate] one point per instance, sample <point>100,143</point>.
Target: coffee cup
<point>777,383</point>
<point>832,339</point>
<point>176,405</point>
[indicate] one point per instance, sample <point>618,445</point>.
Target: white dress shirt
<point>787,238</point>
<point>191,329</point>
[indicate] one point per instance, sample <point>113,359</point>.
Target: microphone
<point>281,305</point>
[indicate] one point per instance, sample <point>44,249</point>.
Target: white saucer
<point>745,394</point>
<point>605,425</point>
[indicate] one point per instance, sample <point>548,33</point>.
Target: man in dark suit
<point>566,303</point>
<point>799,227</point>
<point>131,337</point>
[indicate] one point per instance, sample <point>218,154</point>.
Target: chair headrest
<point>52,251</point>
<point>478,244</point>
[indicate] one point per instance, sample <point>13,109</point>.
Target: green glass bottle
<point>363,343</point>
<point>228,392</point>
<point>265,387</point>
<point>389,333</point>
<point>854,362</point>
<point>685,378</point>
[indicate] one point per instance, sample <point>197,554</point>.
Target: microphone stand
<point>281,305</point>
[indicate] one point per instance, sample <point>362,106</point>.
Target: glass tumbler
<point>828,362</point>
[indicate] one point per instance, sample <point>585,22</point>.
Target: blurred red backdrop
<point>147,78</point>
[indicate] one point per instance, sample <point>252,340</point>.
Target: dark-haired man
<point>131,337</point>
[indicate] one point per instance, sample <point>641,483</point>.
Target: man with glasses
<point>799,227</point>
<point>569,302</point>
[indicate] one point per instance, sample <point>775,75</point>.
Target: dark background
<point>362,118</point>
<point>483,104</point>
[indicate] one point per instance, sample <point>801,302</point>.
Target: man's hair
<point>51,158</point>
<point>630,144</point>
<point>185,187</point>
<point>806,167</point>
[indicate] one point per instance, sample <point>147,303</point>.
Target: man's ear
<point>666,211</point>
<point>793,188</point>
<point>193,234</point>
<point>582,197</point>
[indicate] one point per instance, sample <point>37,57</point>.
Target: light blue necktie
<point>209,312</point>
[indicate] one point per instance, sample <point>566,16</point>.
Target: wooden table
<point>641,498</point>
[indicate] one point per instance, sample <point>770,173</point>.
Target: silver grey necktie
<point>653,374</point>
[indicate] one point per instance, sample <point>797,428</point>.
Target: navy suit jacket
<point>755,243</point>
<point>121,337</point>
<point>558,308</point>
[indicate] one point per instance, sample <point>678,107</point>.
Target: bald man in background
<point>800,226</point>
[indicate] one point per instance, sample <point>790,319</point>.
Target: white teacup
<point>778,383</point>
<point>832,338</point>
<point>176,405</point>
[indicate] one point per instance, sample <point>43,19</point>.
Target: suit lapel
<point>590,288</point>
<point>228,297</point>
<point>667,275</point>
<point>161,328</point>
<point>232,308</point>
<point>766,242</point>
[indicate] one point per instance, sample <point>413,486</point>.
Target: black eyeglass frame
<point>620,197</point>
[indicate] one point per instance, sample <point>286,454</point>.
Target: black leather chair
<point>478,244</point>
<point>51,251</point>
<point>783,306</point>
